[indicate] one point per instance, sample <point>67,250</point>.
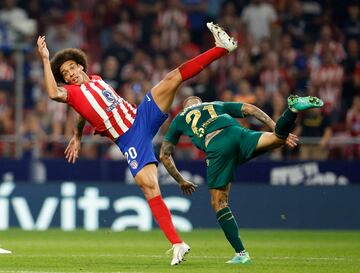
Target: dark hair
<point>67,54</point>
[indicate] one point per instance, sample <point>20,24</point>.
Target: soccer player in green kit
<point>212,128</point>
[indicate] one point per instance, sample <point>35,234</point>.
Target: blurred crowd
<point>285,46</point>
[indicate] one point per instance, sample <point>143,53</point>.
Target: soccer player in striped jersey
<point>130,127</point>
<point>212,128</point>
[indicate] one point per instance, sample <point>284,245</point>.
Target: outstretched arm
<point>166,150</point>
<point>73,148</point>
<point>55,93</point>
<point>252,110</point>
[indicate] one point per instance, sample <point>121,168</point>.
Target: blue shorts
<point>136,143</point>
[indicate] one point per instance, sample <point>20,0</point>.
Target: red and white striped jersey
<point>102,107</point>
<point>329,81</point>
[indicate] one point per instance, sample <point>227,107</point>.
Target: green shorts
<point>232,146</point>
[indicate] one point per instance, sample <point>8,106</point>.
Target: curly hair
<point>64,55</point>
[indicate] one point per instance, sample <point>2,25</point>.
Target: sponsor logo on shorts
<point>134,164</point>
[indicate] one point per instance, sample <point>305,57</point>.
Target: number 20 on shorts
<point>130,154</point>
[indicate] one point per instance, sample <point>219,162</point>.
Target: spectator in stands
<point>15,25</point>
<point>160,69</point>
<point>33,88</point>
<point>155,46</point>
<point>7,122</point>
<point>196,14</point>
<point>272,74</point>
<point>6,114</point>
<point>213,9</point>
<point>351,24</point>
<point>327,83</point>
<point>186,46</point>
<point>147,11</point>
<point>287,58</point>
<point>258,56</point>
<point>123,28</point>
<point>351,65</point>
<point>7,73</point>
<point>79,22</point>
<point>127,26</point>
<point>104,19</point>
<point>314,124</point>
<point>34,138</point>
<point>305,62</point>
<point>203,86</point>
<point>140,60</point>
<point>244,93</point>
<point>111,71</point>
<point>230,19</point>
<point>295,24</point>
<point>234,79</point>
<point>353,125</point>
<point>47,126</point>
<point>262,103</point>
<point>172,19</point>
<point>60,36</point>
<point>328,43</point>
<point>119,47</point>
<point>259,18</point>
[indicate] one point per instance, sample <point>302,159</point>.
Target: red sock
<point>163,218</point>
<point>197,64</point>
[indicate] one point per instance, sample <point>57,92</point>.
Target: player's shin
<point>230,228</point>
<point>194,66</point>
<point>162,216</point>
<point>285,124</point>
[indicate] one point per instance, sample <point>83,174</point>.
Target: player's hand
<point>292,141</point>
<point>72,150</point>
<point>187,187</point>
<point>42,48</point>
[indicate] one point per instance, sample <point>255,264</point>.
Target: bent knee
<point>147,186</point>
<point>269,141</point>
<point>173,77</point>
<point>218,204</point>
<point>278,142</point>
<point>149,190</point>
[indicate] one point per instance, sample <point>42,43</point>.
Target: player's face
<point>72,72</point>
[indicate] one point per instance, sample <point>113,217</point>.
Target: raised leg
<point>164,92</point>
<point>286,123</point>
<point>269,141</point>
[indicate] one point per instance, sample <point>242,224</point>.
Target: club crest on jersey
<point>134,165</point>
<point>109,96</point>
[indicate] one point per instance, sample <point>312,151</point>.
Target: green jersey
<point>199,120</point>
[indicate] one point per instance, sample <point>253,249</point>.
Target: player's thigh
<point>221,159</point>
<point>268,141</point>
<point>164,92</point>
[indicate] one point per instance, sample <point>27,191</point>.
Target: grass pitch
<point>133,251</point>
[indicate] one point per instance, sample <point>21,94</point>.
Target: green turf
<point>133,251</point>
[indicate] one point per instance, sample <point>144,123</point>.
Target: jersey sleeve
<point>234,109</point>
<point>95,77</point>
<point>70,90</point>
<point>173,134</point>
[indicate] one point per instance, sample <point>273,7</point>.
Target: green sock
<point>229,226</point>
<point>285,124</point>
